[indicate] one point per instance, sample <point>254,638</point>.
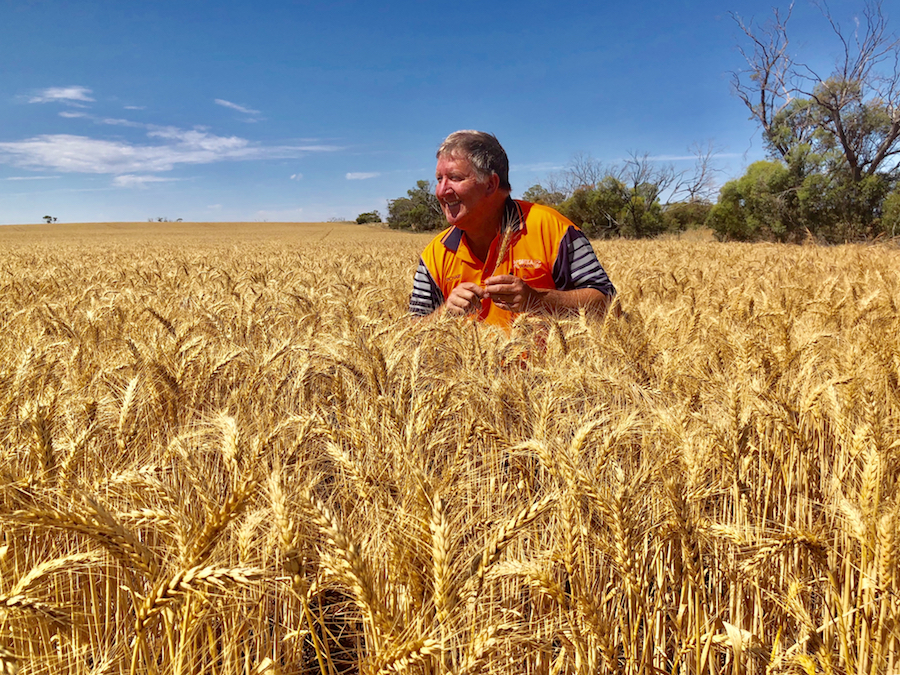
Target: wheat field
<point>227,450</point>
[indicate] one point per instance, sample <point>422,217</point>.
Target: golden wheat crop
<point>229,450</point>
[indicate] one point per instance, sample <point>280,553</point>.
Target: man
<point>500,256</point>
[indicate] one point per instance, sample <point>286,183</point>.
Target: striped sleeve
<point>577,266</point>
<point>426,296</point>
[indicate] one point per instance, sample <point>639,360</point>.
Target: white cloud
<point>114,121</point>
<point>360,175</point>
<point>296,176</point>
<point>82,154</point>
<point>200,140</point>
<point>135,107</point>
<point>30,177</point>
<point>62,95</point>
<point>235,106</point>
<point>122,123</point>
<point>214,207</point>
<point>134,181</point>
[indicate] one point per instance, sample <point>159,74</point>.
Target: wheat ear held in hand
<point>505,240</point>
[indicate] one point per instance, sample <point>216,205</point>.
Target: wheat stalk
<point>10,664</point>
<point>100,526</point>
<point>498,541</point>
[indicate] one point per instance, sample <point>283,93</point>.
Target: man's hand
<point>465,299</point>
<point>511,293</point>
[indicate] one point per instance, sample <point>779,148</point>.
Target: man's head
<point>471,182</point>
<point>482,150</point>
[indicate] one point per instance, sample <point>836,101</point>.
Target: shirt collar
<point>512,218</point>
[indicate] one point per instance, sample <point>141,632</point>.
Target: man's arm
<point>426,295</point>
<point>579,278</point>
<point>514,295</point>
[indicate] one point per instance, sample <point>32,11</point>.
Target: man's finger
<point>500,279</point>
<point>475,289</point>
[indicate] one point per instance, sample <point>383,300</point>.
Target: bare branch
<point>855,109</point>
<point>700,185</point>
<point>770,88</point>
<point>583,171</point>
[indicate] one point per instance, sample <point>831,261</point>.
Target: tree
<point>890,217</point>
<point>681,216</point>
<point>854,110</point>
<point>646,181</point>
<point>631,199</point>
<point>598,209</point>
<point>368,217</point>
<point>758,205</point>
<point>538,194</point>
<point>699,186</point>
<point>583,171</point>
<point>836,135</point>
<point>418,211</point>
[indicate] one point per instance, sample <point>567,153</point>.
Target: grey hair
<point>483,151</point>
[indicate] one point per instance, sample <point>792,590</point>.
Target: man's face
<point>463,196</point>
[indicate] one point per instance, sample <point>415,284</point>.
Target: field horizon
<point>57,230</point>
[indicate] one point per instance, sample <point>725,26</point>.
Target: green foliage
<point>419,211</point>
<point>643,214</point>
<point>596,209</point>
<point>836,208</point>
<point>806,196</point>
<point>681,216</point>
<point>538,194</point>
<point>612,208</point>
<point>890,216</point>
<point>368,217</point>
<point>756,205</point>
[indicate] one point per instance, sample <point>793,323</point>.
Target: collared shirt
<point>546,251</point>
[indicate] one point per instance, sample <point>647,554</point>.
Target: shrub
<point>681,216</point>
<point>419,211</point>
<point>368,217</point>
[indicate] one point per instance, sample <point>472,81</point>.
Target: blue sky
<point>304,111</point>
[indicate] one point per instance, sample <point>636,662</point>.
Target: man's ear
<point>493,183</point>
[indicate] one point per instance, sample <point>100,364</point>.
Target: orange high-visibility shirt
<point>546,251</point>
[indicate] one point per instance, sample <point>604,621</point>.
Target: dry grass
<point>228,450</point>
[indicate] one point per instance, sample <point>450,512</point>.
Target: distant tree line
<point>419,211</point>
<point>640,197</point>
<point>833,141</point>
